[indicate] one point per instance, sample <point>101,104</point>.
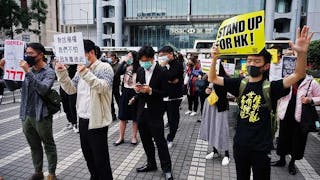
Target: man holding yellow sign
<point>253,138</point>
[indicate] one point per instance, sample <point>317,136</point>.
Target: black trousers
<point>94,145</point>
<point>292,140</point>
<point>69,106</point>
<point>116,96</point>
<point>173,113</point>
<point>258,160</point>
<point>151,126</point>
<point>193,100</point>
<point>203,97</point>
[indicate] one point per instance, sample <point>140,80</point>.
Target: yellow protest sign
<point>243,34</point>
<point>274,54</point>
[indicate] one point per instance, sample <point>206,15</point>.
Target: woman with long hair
<point>127,109</point>
<point>214,127</point>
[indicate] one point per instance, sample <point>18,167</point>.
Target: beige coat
<point>100,79</point>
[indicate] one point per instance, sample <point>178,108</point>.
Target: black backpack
<point>52,100</point>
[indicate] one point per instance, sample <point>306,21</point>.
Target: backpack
<point>52,100</point>
<point>267,104</point>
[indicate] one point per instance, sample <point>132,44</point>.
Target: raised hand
<point>303,39</point>
<point>214,52</point>
<point>2,62</point>
<point>24,65</point>
<point>60,66</point>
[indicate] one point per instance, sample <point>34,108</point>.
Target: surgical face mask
<point>31,60</point>
<point>146,65</point>
<point>109,60</point>
<point>254,71</point>
<point>163,58</point>
<point>129,61</point>
<point>88,63</point>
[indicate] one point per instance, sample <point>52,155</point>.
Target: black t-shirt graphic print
<point>253,131</point>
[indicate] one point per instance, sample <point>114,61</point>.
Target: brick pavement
<point>187,154</point>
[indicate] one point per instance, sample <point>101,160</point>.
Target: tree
<point>38,13</point>
<point>9,13</point>
<point>314,54</point>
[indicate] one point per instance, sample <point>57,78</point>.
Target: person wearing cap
<point>36,120</point>
<point>174,71</point>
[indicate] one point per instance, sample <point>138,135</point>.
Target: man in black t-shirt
<point>253,139</point>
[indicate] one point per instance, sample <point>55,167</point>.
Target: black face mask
<point>254,71</point>
<point>30,60</point>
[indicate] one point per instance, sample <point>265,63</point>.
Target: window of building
<point>283,6</point>
<point>282,25</point>
<point>179,36</point>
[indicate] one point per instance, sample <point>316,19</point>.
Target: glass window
<point>151,8</point>
<point>179,36</point>
<point>217,7</point>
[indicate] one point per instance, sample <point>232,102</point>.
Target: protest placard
<point>288,65</point>
<point>206,64</point>
<point>243,34</point>
<point>274,54</point>
<point>229,68</point>
<point>69,49</point>
<point>13,53</point>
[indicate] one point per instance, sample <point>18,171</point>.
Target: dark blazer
<point>155,100</point>
<point>174,72</point>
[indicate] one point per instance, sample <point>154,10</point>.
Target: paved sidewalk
<point>187,154</point>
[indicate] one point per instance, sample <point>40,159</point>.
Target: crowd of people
<point>145,88</point>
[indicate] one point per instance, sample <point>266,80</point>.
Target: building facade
<point>179,22</point>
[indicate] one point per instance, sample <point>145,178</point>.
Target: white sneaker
<point>170,144</point>
<point>193,113</point>
<point>225,161</point>
<point>69,126</point>
<point>188,112</point>
<point>212,155</point>
<point>75,128</point>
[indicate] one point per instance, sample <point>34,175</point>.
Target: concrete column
<point>118,8</point>
<point>295,21</point>
<point>99,23</point>
<point>269,20</point>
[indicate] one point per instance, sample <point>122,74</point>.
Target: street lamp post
<point>87,21</point>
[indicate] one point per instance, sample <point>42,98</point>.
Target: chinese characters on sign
<point>13,53</point>
<point>69,48</point>
<point>288,65</point>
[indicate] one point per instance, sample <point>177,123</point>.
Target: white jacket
<point>100,79</point>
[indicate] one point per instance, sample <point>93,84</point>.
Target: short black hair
<point>266,55</point>
<point>37,47</point>
<point>166,49</point>
<point>97,52</point>
<point>146,51</point>
<point>89,45</point>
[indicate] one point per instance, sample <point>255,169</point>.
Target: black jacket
<point>222,103</point>
<point>155,100</point>
<point>175,90</point>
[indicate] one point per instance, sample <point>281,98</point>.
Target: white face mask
<point>88,63</point>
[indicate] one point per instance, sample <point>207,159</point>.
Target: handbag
<point>52,100</point>
<point>309,116</point>
<point>213,98</point>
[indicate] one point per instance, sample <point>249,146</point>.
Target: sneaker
<point>75,128</point>
<point>69,126</point>
<point>170,144</point>
<point>193,113</point>
<point>188,112</point>
<point>212,155</point>
<point>225,161</point>
<point>37,176</point>
<point>51,177</point>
